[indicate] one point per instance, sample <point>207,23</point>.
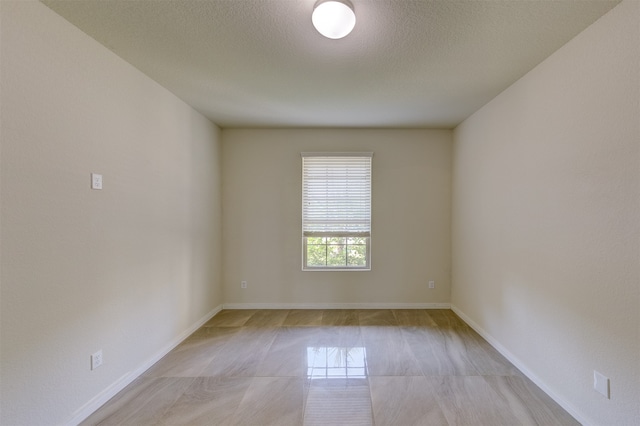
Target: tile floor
<point>332,367</point>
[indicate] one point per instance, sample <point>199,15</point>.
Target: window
<point>336,211</point>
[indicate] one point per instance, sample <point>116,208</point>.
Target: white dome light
<point>333,18</point>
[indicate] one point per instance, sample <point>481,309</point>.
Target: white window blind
<point>336,194</point>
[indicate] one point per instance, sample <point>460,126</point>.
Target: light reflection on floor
<point>336,362</point>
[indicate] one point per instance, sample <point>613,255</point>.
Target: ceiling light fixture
<point>333,18</point>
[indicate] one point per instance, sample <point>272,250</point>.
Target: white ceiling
<point>260,63</point>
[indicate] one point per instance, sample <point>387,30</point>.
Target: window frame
<point>346,234</point>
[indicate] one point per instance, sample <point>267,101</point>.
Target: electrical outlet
<point>243,284</point>
<point>96,360</point>
<point>96,181</point>
<point>432,284</point>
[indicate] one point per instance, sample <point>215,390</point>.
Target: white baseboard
<point>97,401</point>
<point>337,306</point>
<point>522,367</point>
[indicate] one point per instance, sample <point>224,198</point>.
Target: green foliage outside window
<point>336,251</point>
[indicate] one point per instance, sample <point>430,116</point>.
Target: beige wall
<point>128,269</point>
<point>411,199</point>
<point>546,220</point>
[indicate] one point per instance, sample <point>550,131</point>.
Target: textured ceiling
<point>260,63</point>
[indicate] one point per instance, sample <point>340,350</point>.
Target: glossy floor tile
<point>208,400</point>
<point>272,401</point>
<point>338,402</point>
<point>332,367</point>
<point>405,400</point>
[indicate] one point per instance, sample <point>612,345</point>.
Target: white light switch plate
<point>601,383</point>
